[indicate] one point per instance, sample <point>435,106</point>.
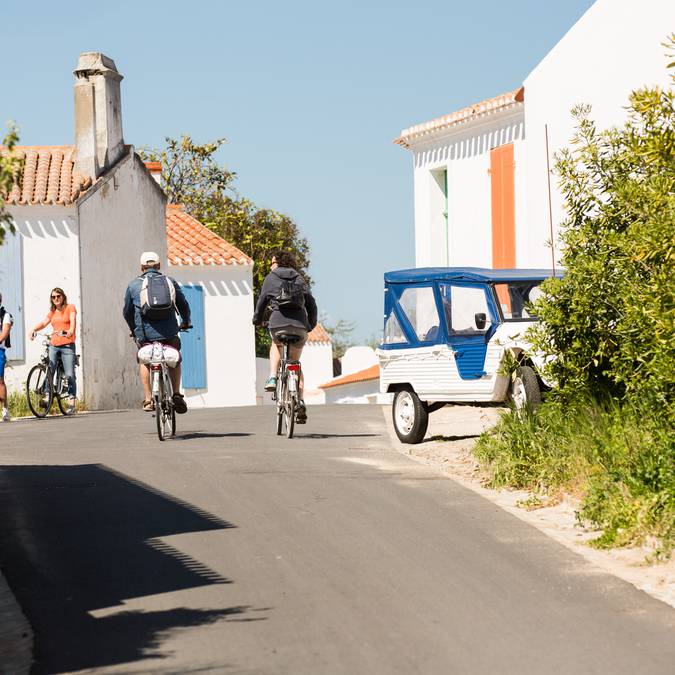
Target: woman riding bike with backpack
<point>286,297</point>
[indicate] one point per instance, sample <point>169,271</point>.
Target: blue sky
<point>309,95</point>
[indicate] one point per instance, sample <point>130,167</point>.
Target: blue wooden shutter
<point>11,287</point>
<point>194,346</point>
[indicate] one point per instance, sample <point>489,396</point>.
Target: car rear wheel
<point>410,417</point>
<point>525,392</point>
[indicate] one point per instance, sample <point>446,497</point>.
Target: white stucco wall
<point>465,153</point>
<point>358,358</point>
<point>317,364</point>
<point>614,48</point>
<point>120,217</point>
<point>50,258</point>
<point>229,337</point>
<point>357,392</point>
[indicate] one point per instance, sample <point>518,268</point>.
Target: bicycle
<point>160,359</point>
<point>287,393</point>
<point>44,384</point>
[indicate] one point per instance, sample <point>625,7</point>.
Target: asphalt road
<point>231,550</point>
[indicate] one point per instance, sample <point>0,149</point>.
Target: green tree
<point>191,176</point>
<point>10,169</point>
<point>340,333</point>
<point>610,320</point>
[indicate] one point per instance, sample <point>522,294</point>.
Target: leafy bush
<point>606,432</point>
<point>617,458</point>
<point>610,320</point>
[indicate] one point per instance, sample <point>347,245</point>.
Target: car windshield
<point>515,298</point>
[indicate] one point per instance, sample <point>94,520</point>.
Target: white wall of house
<point>358,357</point>
<point>229,338</point>
<point>357,392</point>
<point>464,152</point>
<point>49,258</point>
<point>614,48</point>
<point>317,363</point>
<point>121,216</point>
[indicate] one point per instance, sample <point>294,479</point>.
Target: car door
<point>464,308</point>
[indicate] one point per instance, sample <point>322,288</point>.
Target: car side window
<point>419,306</point>
<point>393,333</point>
<point>462,304</point>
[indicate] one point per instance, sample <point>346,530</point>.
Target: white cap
<point>149,258</point>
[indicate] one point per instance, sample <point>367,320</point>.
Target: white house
<point>484,193</point>
<point>363,386</point>
<point>83,214</point>
<point>217,279</point>
<point>359,381</point>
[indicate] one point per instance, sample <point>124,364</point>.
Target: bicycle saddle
<point>287,338</point>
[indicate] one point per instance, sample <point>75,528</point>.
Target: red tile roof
<point>473,112</point>
<point>319,335</point>
<point>48,176</point>
<point>372,373</point>
<point>191,243</point>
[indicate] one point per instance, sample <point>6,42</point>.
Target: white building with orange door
<point>484,191</point>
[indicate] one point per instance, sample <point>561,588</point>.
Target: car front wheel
<point>525,392</point>
<point>410,417</point>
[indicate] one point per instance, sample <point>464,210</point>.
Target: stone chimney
<point>98,114</point>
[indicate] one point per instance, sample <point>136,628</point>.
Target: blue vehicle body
<point>469,349</point>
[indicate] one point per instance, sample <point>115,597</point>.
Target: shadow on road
<point>203,434</point>
<point>75,539</point>
<point>440,437</point>
<point>319,436</point>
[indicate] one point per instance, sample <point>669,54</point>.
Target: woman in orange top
<point>63,318</point>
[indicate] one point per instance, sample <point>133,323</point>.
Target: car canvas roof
<point>422,274</point>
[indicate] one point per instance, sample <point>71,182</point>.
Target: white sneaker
<point>5,415</point>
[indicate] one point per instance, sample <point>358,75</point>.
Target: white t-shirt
<point>6,321</point>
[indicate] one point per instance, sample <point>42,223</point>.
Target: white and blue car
<point>457,335</point>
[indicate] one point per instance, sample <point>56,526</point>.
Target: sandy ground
<point>454,430</point>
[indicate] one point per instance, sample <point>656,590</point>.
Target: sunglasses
<point>56,297</point>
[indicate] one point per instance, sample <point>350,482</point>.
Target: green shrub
<point>606,432</point>
<point>619,459</point>
<point>610,320</point>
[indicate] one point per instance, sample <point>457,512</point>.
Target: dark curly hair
<point>285,259</point>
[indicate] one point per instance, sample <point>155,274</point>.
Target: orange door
<point>503,207</point>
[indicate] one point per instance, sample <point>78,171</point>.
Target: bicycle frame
<point>287,392</point>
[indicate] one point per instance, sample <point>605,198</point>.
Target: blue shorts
<point>3,360</point>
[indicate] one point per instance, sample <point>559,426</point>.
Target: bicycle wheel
<point>159,416</point>
<point>290,416</point>
<point>61,393</point>
<point>280,406</point>
<point>39,391</point>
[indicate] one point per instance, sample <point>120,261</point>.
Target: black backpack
<point>291,295</point>
<point>3,311</point>
<point>158,297</point>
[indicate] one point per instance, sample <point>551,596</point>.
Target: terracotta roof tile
<point>476,111</point>
<point>48,176</point>
<point>319,335</point>
<point>372,373</point>
<point>191,243</point>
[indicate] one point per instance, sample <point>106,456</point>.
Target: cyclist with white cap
<point>150,306</point>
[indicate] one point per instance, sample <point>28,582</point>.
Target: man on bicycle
<point>6,323</point>
<point>150,305</point>
<point>297,317</point>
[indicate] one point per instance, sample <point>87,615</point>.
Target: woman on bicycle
<point>293,316</point>
<point>63,319</point>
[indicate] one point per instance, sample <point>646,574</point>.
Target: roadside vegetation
<point>10,166</point>
<point>605,433</point>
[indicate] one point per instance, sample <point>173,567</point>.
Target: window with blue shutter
<point>11,287</point>
<point>193,342</point>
